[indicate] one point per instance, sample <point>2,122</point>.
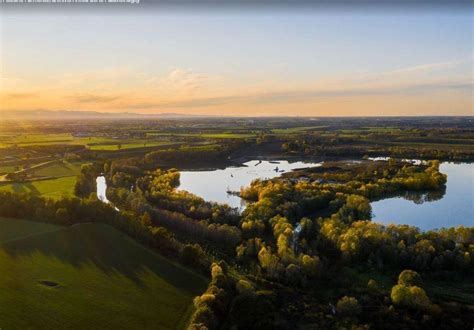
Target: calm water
<point>213,185</point>
<point>451,207</point>
<point>102,189</point>
<point>433,210</point>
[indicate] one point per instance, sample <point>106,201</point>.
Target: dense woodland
<point>294,254</point>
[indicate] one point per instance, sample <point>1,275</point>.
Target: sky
<point>239,62</point>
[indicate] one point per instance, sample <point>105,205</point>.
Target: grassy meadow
<point>59,169</point>
<point>12,229</point>
<point>55,179</point>
<point>96,143</point>
<point>51,188</point>
<point>89,276</point>
<point>128,145</point>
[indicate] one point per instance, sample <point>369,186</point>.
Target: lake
<point>451,207</point>
<point>213,185</point>
<point>433,210</point>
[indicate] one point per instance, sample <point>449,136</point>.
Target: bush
<point>348,306</point>
<point>373,286</point>
<point>252,311</point>
<point>244,286</point>
<point>409,278</point>
<point>192,254</point>
<point>204,318</point>
<point>412,297</point>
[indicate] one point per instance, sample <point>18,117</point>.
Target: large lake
<point>452,207</point>
<point>213,185</point>
<point>433,210</point>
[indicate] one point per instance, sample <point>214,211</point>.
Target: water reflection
<point>452,206</point>
<point>420,197</point>
<point>214,185</point>
<point>102,190</point>
<point>449,207</point>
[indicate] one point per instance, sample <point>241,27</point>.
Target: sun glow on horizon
<point>302,65</point>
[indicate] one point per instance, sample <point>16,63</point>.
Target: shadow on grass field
<point>51,188</point>
<point>102,279</point>
<point>13,229</point>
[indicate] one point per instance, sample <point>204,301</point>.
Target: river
<point>102,190</point>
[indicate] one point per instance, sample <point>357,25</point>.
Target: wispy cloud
<point>93,98</point>
<point>178,79</point>
<point>292,96</point>
<point>17,96</point>
<point>423,68</point>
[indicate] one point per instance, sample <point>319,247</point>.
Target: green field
<point>52,188</point>
<point>7,169</point>
<point>90,276</point>
<point>294,130</point>
<point>228,136</point>
<point>12,229</point>
<point>131,145</point>
<point>58,169</point>
<point>223,135</point>
<point>96,143</point>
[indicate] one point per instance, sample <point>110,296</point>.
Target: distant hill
<point>74,114</point>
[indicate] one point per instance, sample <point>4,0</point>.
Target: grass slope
<point>104,280</point>
<point>12,229</point>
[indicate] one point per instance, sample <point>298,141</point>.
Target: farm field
<point>132,145</point>
<point>96,143</point>
<point>59,169</point>
<point>90,276</point>
<point>52,188</point>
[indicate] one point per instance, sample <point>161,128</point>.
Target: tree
<point>244,286</point>
<point>192,254</point>
<point>348,307</point>
<point>412,297</point>
<point>310,265</point>
<point>373,286</point>
<point>252,311</point>
<point>203,318</point>
<point>409,278</point>
<point>146,219</point>
<point>269,262</point>
<point>293,274</point>
<point>62,216</point>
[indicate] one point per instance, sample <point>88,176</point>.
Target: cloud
<point>17,96</point>
<point>291,96</point>
<point>415,71</point>
<point>180,79</point>
<point>93,98</point>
